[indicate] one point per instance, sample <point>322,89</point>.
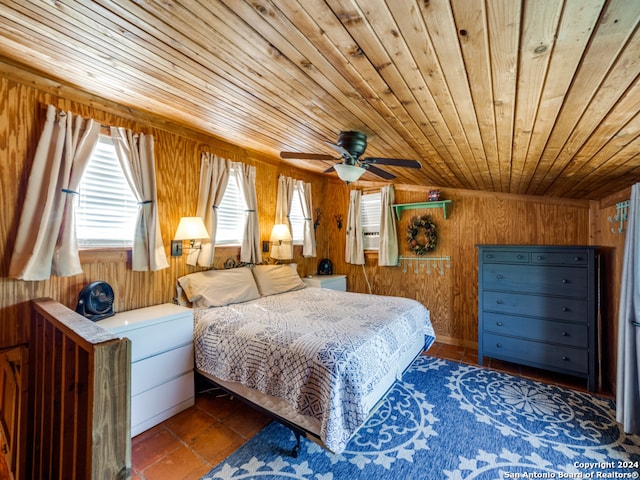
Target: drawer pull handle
<point>489,255</point>
<point>576,259</point>
<point>499,324</point>
<point>565,309</point>
<point>499,345</point>
<point>499,302</point>
<point>540,257</point>
<point>565,334</point>
<point>565,358</point>
<point>519,257</point>
<point>499,277</point>
<point>564,280</point>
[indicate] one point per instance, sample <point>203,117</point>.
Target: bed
<point>317,360</point>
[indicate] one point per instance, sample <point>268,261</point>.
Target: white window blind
<point>370,207</point>
<point>107,209</point>
<point>296,217</point>
<point>231,214</point>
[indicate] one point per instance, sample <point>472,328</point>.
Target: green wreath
<point>430,235</point>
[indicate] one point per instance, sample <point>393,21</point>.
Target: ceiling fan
<point>351,145</point>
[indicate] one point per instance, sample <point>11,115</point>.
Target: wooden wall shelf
<point>400,207</point>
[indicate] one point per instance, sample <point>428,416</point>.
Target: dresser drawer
<point>559,333</point>
<point>559,281</point>
<point>160,399</point>
<point>570,309</point>
<point>153,371</point>
<point>159,337</point>
<point>536,353</point>
<point>505,256</point>
<point>560,258</point>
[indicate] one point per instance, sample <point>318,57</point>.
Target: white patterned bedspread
<point>320,350</point>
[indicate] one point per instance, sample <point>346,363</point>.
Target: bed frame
<point>297,430</point>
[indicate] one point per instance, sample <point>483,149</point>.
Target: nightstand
<point>161,361</point>
<point>332,282</point>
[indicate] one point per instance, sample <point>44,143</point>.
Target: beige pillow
<point>217,288</point>
<point>272,279</point>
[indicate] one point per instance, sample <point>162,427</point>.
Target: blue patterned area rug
<point>450,421</point>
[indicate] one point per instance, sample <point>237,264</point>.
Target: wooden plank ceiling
<point>533,97</point>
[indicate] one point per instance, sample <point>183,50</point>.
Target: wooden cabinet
<point>162,382</point>
<point>332,282</point>
<point>538,306</point>
<point>13,386</point>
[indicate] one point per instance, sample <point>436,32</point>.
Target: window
<point>231,213</point>
<point>296,216</point>
<point>370,208</point>
<point>107,209</point>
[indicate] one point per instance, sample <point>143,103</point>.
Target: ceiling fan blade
<point>329,170</point>
<point>307,156</point>
<point>339,149</point>
<point>396,162</point>
<point>378,171</point>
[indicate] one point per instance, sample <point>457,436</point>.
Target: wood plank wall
<point>613,247</point>
<point>474,218</point>
<point>177,153</point>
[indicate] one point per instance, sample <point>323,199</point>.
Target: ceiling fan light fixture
<point>349,173</point>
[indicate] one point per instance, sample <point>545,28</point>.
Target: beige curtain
<point>46,241</point>
<point>214,176</point>
<point>250,249</point>
<point>388,253</point>
<point>309,234</point>
<point>136,156</point>
<point>354,251</point>
<point>628,372</point>
<point>284,197</point>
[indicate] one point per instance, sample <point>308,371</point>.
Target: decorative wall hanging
<point>622,210</point>
<point>424,263</point>
<point>316,224</point>
<point>422,235</point>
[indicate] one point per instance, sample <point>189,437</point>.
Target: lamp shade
<point>348,173</point>
<point>280,233</point>
<point>191,228</point>
<point>281,245</point>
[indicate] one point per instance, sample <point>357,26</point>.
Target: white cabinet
<point>332,282</point>
<point>161,361</point>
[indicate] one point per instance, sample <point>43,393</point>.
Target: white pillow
<point>217,288</point>
<point>272,279</point>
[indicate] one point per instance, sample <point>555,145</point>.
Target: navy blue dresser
<point>538,306</point>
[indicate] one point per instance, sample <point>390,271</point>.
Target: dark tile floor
<point>189,444</point>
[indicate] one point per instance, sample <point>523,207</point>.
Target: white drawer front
<point>153,371</point>
<point>158,338</point>
<point>161,398</point>
<point>336,284</point>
